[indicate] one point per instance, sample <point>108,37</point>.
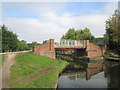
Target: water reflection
<point>112,74</point>
<point>80,74</point>
<point>92,69</point>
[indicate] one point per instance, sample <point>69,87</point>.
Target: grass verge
<point>2,59</point>
<point>28,65</point>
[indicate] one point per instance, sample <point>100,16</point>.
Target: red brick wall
<point>92,65</point>
<point>52,45</point>
<point>93,50</point>
<point>93,68</point>
<point>50,54</point>
<point>42,48</point>
<point>46,48</point>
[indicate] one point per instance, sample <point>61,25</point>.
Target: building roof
<point>100,42</point>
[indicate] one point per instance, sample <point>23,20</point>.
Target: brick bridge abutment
<point>91,50</point>
<point>46,49</point>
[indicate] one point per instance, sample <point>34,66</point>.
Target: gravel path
<point>6,70</point>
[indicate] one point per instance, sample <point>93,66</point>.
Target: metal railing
<point>70,43</point>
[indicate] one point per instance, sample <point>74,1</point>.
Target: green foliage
<point>70,34</point>
<point>2,60</point>
<point>112,35</point>
<point>10,42</point>
<point>73,34</point>
<point>33,44</point>
<point>22,45</point>
<point>29,64</point>
<point>0,39</point>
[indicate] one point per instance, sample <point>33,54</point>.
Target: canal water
<point>82,74</point>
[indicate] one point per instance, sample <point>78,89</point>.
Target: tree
<point>9,40</point>
<point>73,34</point>
<point>22,45</point>
<point>33,44</point>
<point>112,34</point>
<point>0,39</point>
<point>70,34</point>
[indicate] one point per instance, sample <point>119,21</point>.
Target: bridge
<point>73,44</point>
<point>80,47</point>
<point>91,70</point>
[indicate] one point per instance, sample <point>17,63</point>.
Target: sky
<point>38,21</point>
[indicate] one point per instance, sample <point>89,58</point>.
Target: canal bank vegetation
<point>31,70</point>
<point>11,43</point>
<point>112,35</point>
<point>2,59</point>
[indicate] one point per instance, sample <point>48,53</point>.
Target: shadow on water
<point>93,74</point>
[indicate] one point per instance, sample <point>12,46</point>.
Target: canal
<point>92,74</point>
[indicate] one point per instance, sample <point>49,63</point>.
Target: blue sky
<point>15,9</point>
<point>38,21</point>
<point>84,8</point>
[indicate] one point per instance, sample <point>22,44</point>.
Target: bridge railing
<point>71,43</point>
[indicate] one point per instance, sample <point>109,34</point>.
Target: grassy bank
<point>34,71</point>
<point>2,59</point>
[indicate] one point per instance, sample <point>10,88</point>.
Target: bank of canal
<point>104,74</point>
<point>32,70</point>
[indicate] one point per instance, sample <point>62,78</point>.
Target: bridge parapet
<point>46,49</point>
<point>71,43</point>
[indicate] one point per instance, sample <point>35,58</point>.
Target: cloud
<point>50,24</point>
<point>0,13</point>
<point>111,6</point>
<point>33,29</point>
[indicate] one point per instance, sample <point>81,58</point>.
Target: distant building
<point>100,43</point>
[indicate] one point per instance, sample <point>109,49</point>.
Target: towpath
<point>5,71</point>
